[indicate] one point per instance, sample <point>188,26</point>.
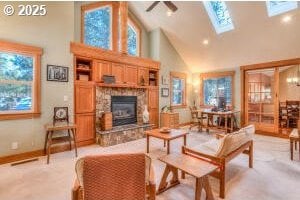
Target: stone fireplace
<point>123,110</point>
<point>127,105</point>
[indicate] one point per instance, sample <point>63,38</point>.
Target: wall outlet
<point>14,145</point>
<point>66,98</point>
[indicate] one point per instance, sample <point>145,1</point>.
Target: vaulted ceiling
<point>256,37</point>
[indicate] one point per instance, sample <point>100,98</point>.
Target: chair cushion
<point>250,130</point>
<point>210,147</point>
<point>294,133</point>
<point>234,140</point>
<point>227,144</point>
<point>79,170</point>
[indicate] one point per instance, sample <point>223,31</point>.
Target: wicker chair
<point>114,177</point>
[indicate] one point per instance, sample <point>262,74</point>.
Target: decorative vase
<point>145,115</point>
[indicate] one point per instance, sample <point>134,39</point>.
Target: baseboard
<point>21,156</point>
<point>271,134</point>
<point>40,152</point>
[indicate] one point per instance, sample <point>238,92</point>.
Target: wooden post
<point>148,141</point>
<point>251,155</point>
<point>123,26</point>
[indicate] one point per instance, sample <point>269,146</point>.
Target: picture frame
<point>60,114</point>
<point>57,73</point>
<point>164,80</point>
<point>164,92</point>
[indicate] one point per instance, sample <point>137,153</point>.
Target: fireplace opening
<point>123,109</point>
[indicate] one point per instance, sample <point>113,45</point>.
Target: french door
<point>261,99</point>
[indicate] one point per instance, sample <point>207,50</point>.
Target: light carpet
<point>274,176</point>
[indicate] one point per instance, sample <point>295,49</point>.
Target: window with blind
<point>217,87</point>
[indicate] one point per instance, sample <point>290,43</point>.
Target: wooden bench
<point>193,166</point>
<point>220,157</point>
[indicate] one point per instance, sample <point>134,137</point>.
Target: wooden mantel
<point>79,49</point>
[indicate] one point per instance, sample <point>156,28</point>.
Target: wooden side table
<point>294,138</point>
<point>174,134</point>
<point>190,165</point>
<point>50,140</point>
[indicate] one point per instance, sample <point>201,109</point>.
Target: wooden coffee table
<point>190,165</point>
<point>174,134</point>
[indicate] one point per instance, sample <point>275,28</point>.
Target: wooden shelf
<point>83,70</point>
<point>120,86</point>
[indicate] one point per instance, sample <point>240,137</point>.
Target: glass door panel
<point>260,102</point>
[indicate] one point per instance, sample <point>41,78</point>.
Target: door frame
<point>266,65</point>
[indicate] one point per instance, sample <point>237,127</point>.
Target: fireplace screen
<point>123,109</point>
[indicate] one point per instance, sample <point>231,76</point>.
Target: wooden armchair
<point>114,177</point>
<point>220,152</point>
<point>293,109</point>
<point>196,118</point>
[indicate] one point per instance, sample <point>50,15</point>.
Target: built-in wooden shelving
<point>83,69</point>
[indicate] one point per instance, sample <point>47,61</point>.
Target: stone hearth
<point>119,134</point>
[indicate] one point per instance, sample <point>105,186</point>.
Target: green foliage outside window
<point>16,77</point>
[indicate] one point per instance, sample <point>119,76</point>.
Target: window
<point>178,89</point>
<point>133,41</point>
<point>279,7</point>
<point>219,16</point>
<point>19,80</point>
<point>215,86</point>
<point>98,27</point>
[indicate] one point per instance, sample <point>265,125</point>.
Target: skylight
<point>219,15</point>
<point>279,7</point>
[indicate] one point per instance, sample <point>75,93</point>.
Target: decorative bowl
<point>165,130</point>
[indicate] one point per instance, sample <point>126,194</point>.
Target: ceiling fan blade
<point>152,6</point>
<point>171,6</point>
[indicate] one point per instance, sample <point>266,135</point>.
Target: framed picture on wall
<point>57,73</point>
<point>164,92</point>
<point>165,80</point>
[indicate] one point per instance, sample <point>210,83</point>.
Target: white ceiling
<point>256,37</point>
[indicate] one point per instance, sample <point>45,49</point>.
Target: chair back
<point>194,112</point>
<point>234,140</point>
<point>114,177</point>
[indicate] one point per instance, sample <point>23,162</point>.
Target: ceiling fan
<point>171,6</point>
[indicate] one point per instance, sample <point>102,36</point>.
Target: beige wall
<point>288,91</point>
<point>162,50</point>
<point>53,33</point>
